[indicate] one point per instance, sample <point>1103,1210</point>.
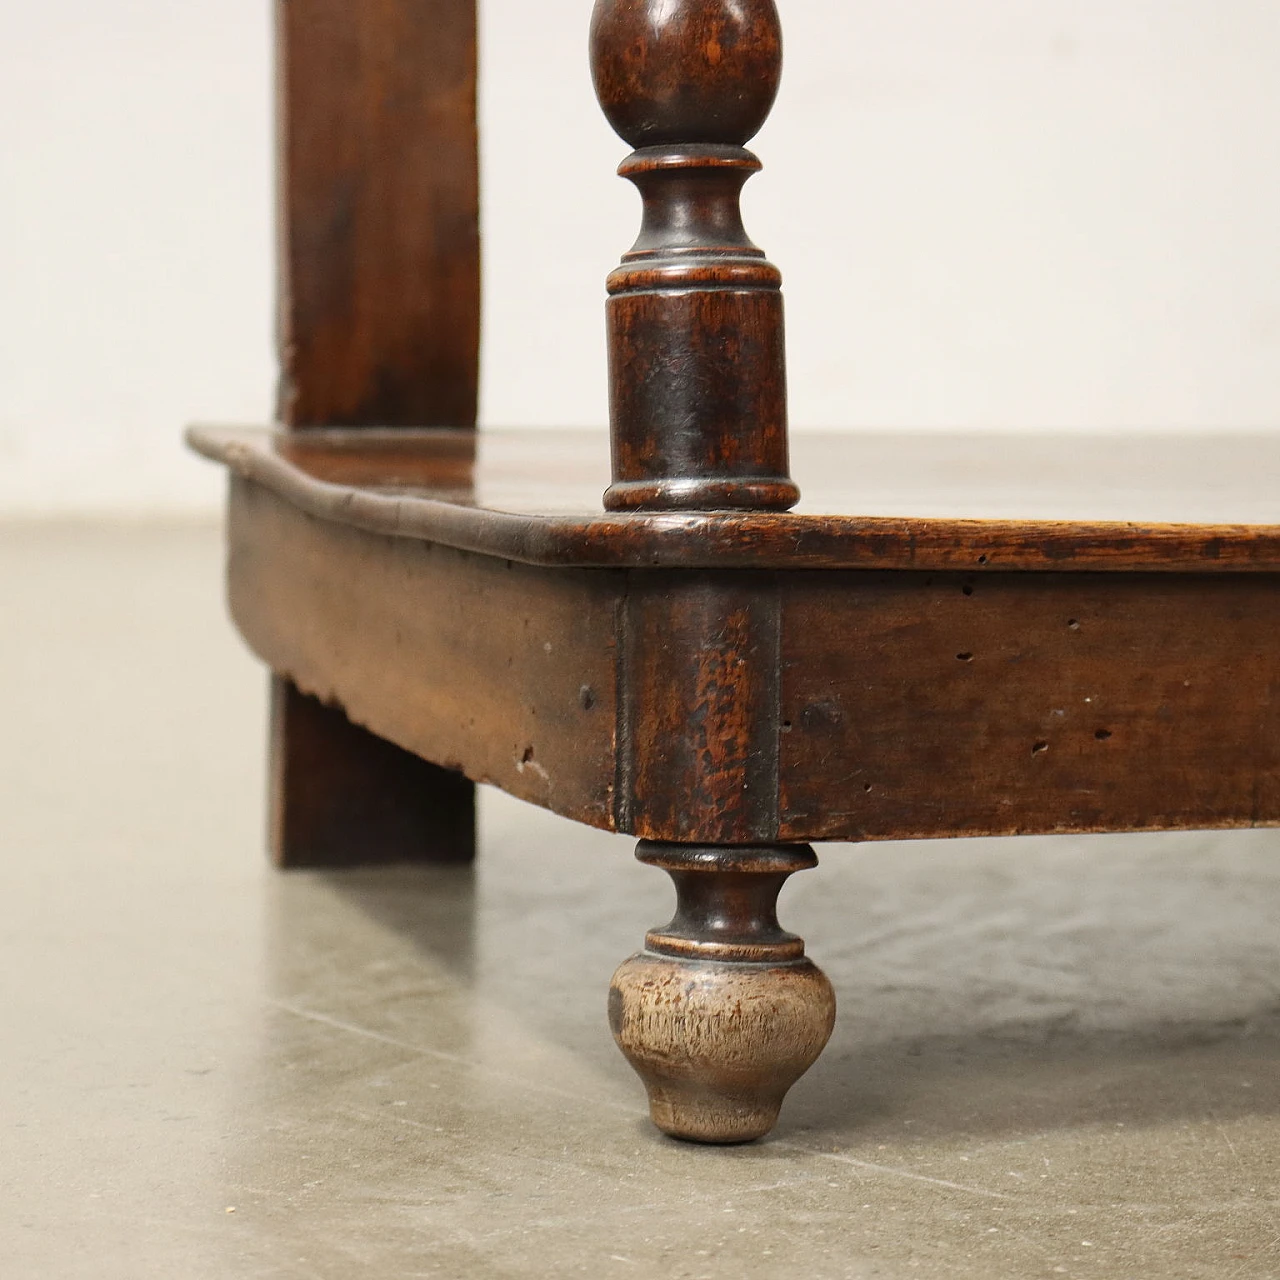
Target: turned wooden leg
<point>341,796</point>
<point>721,1013</point>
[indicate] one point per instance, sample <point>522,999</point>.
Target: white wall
<point>135,244</point>
<point>1004,213</point>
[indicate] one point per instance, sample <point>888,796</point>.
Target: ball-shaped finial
<point>686,71</point>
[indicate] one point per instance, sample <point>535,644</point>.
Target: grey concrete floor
<point>1054,1056</point>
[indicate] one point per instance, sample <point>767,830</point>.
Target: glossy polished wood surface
<point>697,367</point>
<point>668,72</point>
<point>872,500</point>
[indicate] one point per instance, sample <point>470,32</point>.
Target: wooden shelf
<point>871,500</point>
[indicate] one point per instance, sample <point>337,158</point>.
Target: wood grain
<point>526,499</point>
<point>669,72</point>
<point>753,707</point>
<point>341,796</point>
<point>722,1012</point>
<point>379,316</point>
<point>478,665</point>
<point>698,657</point>
<point>379,247</point>
<point>697,373</point>
<point>958,705</point>
<point>723,677</point>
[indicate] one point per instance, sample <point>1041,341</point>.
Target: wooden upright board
<point>379,198</point>
<point>379,327</point>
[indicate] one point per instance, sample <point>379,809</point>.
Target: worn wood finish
<point>773,707</point>
<point>378,326</point>
<point>340,796</point>
<point>697,381</point>
<point>721,1013</point>
<point>753,708</point>
<point>528,498</point>
<point>764,707</point>
<point>970,704</point>
<point>481,666</point>
<point>379,263</point>
<point>697,664</point>
<point>698,750</point>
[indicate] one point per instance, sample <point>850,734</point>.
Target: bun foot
<point>719,1044</point>
<point>721,1013</point>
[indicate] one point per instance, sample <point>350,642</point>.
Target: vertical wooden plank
<point>379,323</point>
<point>340,796</point>
<point>697,372</point>
<point>379,198</point>
<point>699,658</point>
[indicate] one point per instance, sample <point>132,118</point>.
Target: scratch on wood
<point>624,731</point>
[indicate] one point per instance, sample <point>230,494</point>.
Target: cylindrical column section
<point>697,400</point>
<point>697,376</point>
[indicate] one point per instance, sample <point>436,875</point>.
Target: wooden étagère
<point>650,639</point>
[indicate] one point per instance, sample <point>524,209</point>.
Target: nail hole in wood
<point>1073,624</point>
<point>964,657</point>
<point>527,756</point>
<point>1039,747</point>
<point>866,786</point>
<point>982,559</point>
<point>586,697</point>
<point>1102,735</point>
<point>967,589</point>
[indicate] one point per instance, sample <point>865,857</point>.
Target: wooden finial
<point>697,374</point>
<point>721,1013</point>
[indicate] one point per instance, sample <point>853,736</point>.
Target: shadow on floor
<point>431,907</point>
<point>974,1074</point>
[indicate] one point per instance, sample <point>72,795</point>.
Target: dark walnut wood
<point>987,638</point>
<point>697,376</point>
<point>978,503</point>
<point>916,704</point>
<point>493,669</point>
<point>690,71</point>
<point>721,1013</point>
<point>341,796</point>
<point>379,326</point>
<point>379,198</point>
<point>632,673</point>
<point>685,701</point>
<point>698,657</point>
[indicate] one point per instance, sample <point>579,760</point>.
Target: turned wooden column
<point>721,1013</point>
<point>696,369</point>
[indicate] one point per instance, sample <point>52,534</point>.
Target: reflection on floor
<point>1054,1056</point>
